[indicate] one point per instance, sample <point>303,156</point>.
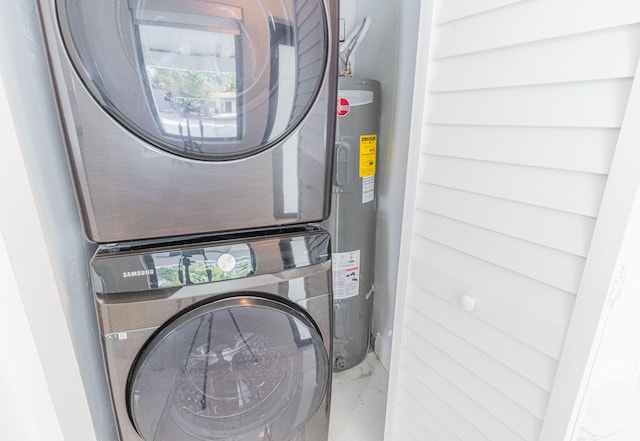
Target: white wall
<point>45,238</point>
<point>388,54</point>
<point>618,357</point>
<point>26,408</point>
<point>618,352</point>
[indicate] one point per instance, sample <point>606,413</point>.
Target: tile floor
<point>358,402</point>
<point>613,414</point>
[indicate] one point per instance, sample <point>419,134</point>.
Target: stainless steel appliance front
<point>218,338</point>
<point>195,116</point>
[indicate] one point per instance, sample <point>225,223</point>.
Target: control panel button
<point>226,262</point>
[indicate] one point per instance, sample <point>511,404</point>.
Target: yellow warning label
<point>368,145</point>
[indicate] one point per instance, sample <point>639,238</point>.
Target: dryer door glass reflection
<point>243,369</point>
<point>203,79</point>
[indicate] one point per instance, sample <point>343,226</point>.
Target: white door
<point>522,174</point>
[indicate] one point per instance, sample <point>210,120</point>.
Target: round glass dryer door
<point>200,78</point>
<point>245,368</point>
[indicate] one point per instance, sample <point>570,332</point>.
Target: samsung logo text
<point>139,273</point>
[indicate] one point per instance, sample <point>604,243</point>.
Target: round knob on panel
<point>226,262</point>
<point>467,302</point>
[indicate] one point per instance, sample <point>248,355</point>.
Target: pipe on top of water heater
<point>351,43</point>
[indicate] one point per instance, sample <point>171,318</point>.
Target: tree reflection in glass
<point>192,75</point>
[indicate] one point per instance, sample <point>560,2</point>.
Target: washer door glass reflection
<point>243,369</point>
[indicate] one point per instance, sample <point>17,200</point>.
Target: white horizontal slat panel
<point>501,407</point>
<point>456,9</point>
<point>531,364</point>
<point>522,391</point>
<point>415,427</point>
<point>419,372</point>
<point>439,409</point>
<point>555,229</point>
<point>544,300</point>
<point>610,53</point>
<point>573,192</point>
<point>524,105</point>
<point>532,21</point>
<point>426,421</point>
<point>402,434</point>
<point>579,149</point>
<point>528,328</point>
<point>549,266</point>
<point>582,104</point>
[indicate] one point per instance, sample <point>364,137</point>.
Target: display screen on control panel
<point>203,265</point>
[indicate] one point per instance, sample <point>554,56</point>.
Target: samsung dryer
<point>225,338</point>
<point>195,116</point>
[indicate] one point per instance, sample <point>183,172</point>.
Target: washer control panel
<point>148,266</point>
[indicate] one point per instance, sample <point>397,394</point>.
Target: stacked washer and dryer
<point>200,138</point>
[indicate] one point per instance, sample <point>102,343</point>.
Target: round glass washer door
<point>200,79</point>
<point>243,368</point>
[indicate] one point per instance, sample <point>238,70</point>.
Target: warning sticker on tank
<point>368,188</point>
<point>346,274</point>
<point>368,145</point>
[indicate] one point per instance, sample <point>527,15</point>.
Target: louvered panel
<point>456,9</point>
<point>522,115</point>
<point>526,361</point>
<point>439,409</point>
<point>413,428</point>
<point>532,21</point>
<point>573,192</point>
<point>308,75</point>
<point>490,399</point>
<point>307,59</point>
<point>427,421</point>
<point>544,300</point>
<point>420,372</point>
<point>306,13</point>
<point>402,434</point>
<point>519,323</point>
<point>555,229</point>
<point>610,53</point>
<point>522,391</point>
<point>307,33</point>
<point>549,266</point>
<point>582,104</point>
<point>579,149</point>
<point>309,42</point>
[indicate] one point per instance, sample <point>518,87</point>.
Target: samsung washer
<point>193,116</point>
<point>218,338</point>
